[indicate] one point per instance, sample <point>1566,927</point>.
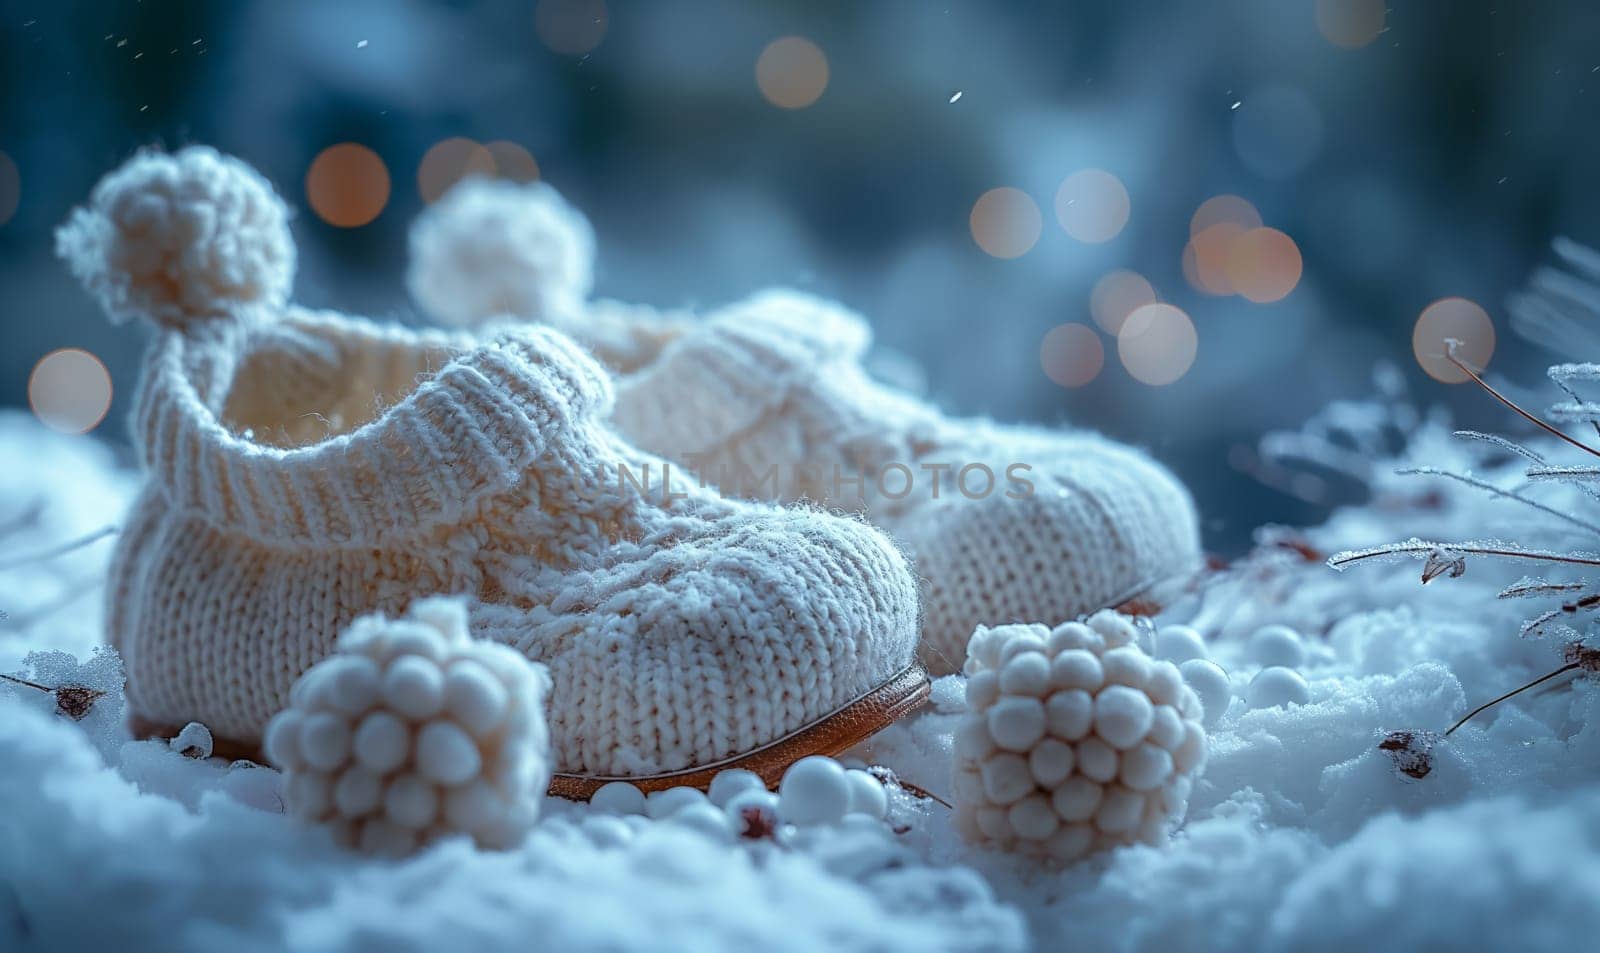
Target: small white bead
<point>1016,722</point>
<point>1025,640</point>
<point>972,739</point>
<point>1077,668</point>
<point>1166,728</point>
<point>354,684</point>
<point>1069,636</point>
<point>446,754</point>
<point>1126,666</point>
<point>701,816</point>
<point>414,687</point>
<point>1173,797</point>
<point>1277,687</point>
<point>995,823</point>
<point>1051,762</point>
<point>415,638</point>
<point>1146,767</point>
<point>475,697</point>
<point>1077,799</point>
<point>358,792</point>
<point>1277,645</point>
<point>1191,753</point>
<point>1026,674</point>
<point>1165,685</point>
<point>382,742</point>
<point>665,803</point>
<point>384,839</point>
<point>282,740</point>
<point>969,785</point>
<point>474,806</point>
<point>1070,842</point>
<point>1032,818</point>
<point>813,791</point>
<point>619,797</point>
<point>1069,714</point>
<point>1180,643</point>
<point>1122,715</point>
<point>734,781</point>
<point>982,690</point>
<point>867,795</point>
<point>1114,627</point>
<point>752,811</point>
<point>1097,761</point>
<point>984,646</point>
<point>1210,685</point>
<point>1120,810</point>
<point>324,741</point>
<point>1006,778</point>
<point>410,802</point>
<point>309,795</point>
<point>606,831</point>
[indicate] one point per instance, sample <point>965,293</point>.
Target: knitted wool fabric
<point>306,468</point>
<point>767,398</point>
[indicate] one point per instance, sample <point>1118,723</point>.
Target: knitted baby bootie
<point>307,468</point>
<point>767,398</point>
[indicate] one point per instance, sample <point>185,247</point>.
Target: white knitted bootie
<point>767,398</point>
<point>306,468</point>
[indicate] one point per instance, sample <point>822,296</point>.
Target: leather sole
<point>830,735</point>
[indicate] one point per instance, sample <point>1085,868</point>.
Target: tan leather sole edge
<point>836,732</point>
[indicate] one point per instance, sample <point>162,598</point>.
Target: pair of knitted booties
<point>768,398</point>
<point>307,469</point>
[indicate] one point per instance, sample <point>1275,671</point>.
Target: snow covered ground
<point>1301,834</point>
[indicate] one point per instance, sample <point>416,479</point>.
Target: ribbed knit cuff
<point>471,428</point>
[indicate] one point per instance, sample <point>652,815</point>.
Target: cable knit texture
<point>776,381</point>
<point>496,248</point>
<point>313,470</point>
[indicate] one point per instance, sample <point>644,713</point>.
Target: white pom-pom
<point>867,795</point>
<point>1210,684</point>
<point>1103,752</point>
<point>449,739</point>
<point>1180,643</point>
<point>662,804</point>
<point>181,238</point>
<point>618,797</point>
<point>1277,645</point>
<point>814,791</point>
<point>495,249</point>
<point>1277,687</point>
<point>732,782</point>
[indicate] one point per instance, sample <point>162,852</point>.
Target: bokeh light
<point>70,390</point>
<point>1351,24</point>
<point>1461,320</point>
<point>1072,355</point>
<point>1277,132</point>
<point>1263,265</point>
<point>1157,344</point>
<point>347,185</point>
<point>572,27</point>
<point>1092,205</point>
<point>1224,208</point>
<point>792,72</point>
<point>10,188</point>
<point>511,161</point>
<point>448,162</point>
<point>1205,258</point>
<point>1005,222</point>
<point>1116,295</point>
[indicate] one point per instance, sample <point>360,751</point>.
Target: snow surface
<point>1301,834</point>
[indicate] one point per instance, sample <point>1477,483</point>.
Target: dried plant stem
<point>1344,559</point>
<point>1490,704</point>
<point>1493,490</point>
<point>60,550</point>
<point>23,681</point>
<point>1451,357</point>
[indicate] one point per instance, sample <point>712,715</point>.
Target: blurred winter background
<point>999,187</point>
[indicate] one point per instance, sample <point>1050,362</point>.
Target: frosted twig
<point>1499,441</point>
<point>60,550</point>
<point>1450,355</point>
<point>1488,487</point>
<point>1490,704</point>
<point>1538,587</point>
<point>1420,548</point>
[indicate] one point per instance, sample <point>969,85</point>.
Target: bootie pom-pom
<point>180,238</point>
<point>1074,740</point>
<point>413,731</point>
<point>490,249</point>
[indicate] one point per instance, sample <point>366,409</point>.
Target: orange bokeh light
<point>1005,222</point>
<point>1116,295</point>
<point>347,185</point>
<point>792,72</point>
<point>1453,318</point>
<point>1158,344</point>
<point>1263,265</point>
<point>1072,355</point>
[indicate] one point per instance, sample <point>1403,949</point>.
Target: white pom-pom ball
<point>1276,645</point>
<point>1210,683</point>
<point>493,249</point>
<point>1075,742</point>
<point>618,797</point>
<point>1277,686</point>
<point>413,731</point>
<point>734,781</point>
<point>815,790</point>
<point>181,238</point>
<point>1180,643</point>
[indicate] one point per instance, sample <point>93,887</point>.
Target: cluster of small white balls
<point>816,791</point>
<point>1280,652</point>
<point>1075,739</point>
<point>412,731</point>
